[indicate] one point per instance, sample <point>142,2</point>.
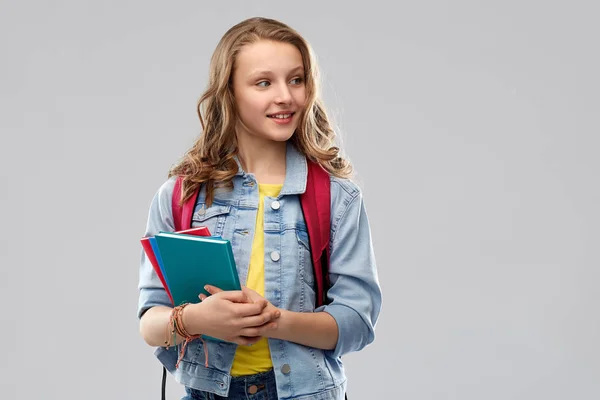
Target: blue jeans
<point>252,387</point>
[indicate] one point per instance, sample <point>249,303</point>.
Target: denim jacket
<point>355,294</point>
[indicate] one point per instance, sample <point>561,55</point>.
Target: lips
<point>282,115</point>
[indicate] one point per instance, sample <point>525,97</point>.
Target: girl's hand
<point>229,315</point>
<point>257,298</point>
<point>253,330</point>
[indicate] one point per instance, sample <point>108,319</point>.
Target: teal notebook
<point>190,262</point>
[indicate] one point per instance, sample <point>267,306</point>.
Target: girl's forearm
<point>154,327</point>
<point>318,330</point>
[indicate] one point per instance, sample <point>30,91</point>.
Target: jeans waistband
<point>248,387</point>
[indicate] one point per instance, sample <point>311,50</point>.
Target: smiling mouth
<point>281,116</point>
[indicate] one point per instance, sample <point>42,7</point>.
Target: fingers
<point>235,296</point>
<point>249,292</point>
<point>262,330</point>
<point>240,307</point>
<point>245,295</point>
<point>261,319</point>
<point>212,289</point>
<point>250,309</point>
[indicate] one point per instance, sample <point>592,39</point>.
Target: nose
<point>284,95</point>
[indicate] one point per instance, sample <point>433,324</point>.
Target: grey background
<point>473,127</point>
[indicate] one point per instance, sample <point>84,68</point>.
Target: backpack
<point>315,202</point>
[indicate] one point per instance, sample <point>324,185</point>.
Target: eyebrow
<point>259,72</point>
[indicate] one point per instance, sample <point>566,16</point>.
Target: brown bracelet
<point>175,326</point>
<point>178,322</point>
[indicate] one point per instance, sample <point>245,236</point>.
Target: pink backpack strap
<point>182,215</point>
<point>316,205</point>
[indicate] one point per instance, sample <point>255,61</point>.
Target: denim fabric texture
<point>355,293</point>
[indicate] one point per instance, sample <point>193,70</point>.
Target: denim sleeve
<point>151,291</point>
<point>355,292</point>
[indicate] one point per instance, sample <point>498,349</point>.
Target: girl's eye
<point>296,81</point>
<point>263,84</point>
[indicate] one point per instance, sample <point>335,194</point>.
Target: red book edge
<point>152,257</point>
<point>199,231</point>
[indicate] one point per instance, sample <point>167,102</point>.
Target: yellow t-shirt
<point>255,359</point>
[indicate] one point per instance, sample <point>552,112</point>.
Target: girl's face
<point>268,85</point>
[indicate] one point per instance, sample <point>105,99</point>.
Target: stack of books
<point>187,260</point>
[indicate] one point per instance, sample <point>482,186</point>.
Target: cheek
<point>300,96</point>
<point>251,108</point>
<point>247,111</point>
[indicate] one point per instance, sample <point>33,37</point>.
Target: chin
<point>279,136</point>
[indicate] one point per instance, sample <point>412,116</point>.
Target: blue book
<point>190,262</point>
<point>156,251</point>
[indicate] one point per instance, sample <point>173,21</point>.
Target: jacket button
<point>275,205</point>
<point>253,389</point>
<point>275,256</point>
<point>286,369</point>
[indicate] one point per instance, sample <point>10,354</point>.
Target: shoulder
<point>344,187</point>
<point>165,190</point>
<point>160,207</point>
<point>346,201</point>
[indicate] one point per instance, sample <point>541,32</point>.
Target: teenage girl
<point>262,119</point>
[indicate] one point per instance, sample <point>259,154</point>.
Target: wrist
<point>189,319</point>
<point>283,324</point>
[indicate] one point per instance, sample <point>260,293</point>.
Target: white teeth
<point>281,116</point>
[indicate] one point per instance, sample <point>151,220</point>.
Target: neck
<point>265,159</point>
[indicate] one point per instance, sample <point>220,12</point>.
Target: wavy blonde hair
<point>211,159</point>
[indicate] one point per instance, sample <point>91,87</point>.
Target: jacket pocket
<point>213,217</point>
